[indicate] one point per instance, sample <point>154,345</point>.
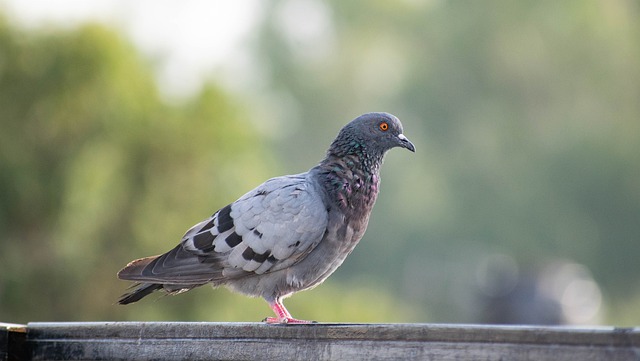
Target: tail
<point>139,291</point>
<point>174,272</point>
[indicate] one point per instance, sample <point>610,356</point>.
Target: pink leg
<point>282,315</point>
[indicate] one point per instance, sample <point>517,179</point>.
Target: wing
<point>268,229</point>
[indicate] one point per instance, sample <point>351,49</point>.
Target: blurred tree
<point>95,170</point>
<point>525,116</point>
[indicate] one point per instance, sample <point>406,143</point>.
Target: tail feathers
<point>174,272</point>
<point>177,266</point>
<point>135,268</point>
<point>139,291</point>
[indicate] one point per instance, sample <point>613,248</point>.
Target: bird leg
<point>282,315</point>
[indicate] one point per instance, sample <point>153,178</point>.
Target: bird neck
<point>351,164</point>
<point>354,153</point>
<point>351,180</point>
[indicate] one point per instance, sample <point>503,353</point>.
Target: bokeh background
<point>124,123</point>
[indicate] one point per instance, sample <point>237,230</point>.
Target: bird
<point>286,235</point>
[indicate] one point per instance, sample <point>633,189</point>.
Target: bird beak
<point>406,143</point>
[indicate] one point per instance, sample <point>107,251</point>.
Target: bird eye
<point>384,126</point>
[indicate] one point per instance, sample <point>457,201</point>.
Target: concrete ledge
<point>257,341</point>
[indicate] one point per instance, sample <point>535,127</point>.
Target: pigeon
<point>288,234</point>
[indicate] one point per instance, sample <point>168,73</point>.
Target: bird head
<point>377,132</point>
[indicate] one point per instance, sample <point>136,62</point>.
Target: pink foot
<point>287,320</point>
<point>282,315</point>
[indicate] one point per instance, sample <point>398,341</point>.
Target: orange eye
<point>384,126</point>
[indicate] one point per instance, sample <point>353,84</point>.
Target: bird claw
<point>287,320</point>
<point>282,315</point>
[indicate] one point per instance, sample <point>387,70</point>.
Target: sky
<point>188,39</point>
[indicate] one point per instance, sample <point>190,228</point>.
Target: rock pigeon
<point>288,234</point>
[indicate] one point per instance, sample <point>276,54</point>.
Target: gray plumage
<point>288,234</point>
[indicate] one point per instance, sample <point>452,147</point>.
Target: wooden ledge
<point>257,341</point>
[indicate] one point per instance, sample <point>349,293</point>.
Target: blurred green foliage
<point>524,114</point>
<point>96,170</point>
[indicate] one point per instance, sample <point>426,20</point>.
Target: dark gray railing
<point>257,341</point>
